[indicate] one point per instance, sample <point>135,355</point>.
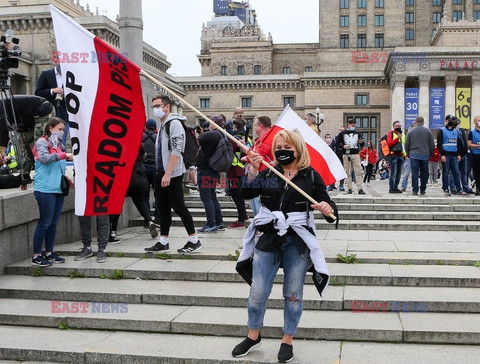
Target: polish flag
<point>106,114</point>
<point>322,157</point>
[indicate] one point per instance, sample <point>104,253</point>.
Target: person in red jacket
<point>433,166</point>
<point>370,155</point>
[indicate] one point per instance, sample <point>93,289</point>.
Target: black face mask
<point>284,157</point>
<point>398,129</point>
<point>451,124</point>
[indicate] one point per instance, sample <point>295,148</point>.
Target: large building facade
<point>376,61</point>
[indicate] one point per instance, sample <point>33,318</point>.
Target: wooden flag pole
<point>231,137</point>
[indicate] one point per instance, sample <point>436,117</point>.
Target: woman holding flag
<point>282,234</point>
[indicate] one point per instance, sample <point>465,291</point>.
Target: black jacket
<point>208,143</point>
<point>148,141</point>
<point>46,82</point>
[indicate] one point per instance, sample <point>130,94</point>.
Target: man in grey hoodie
<point>169,147</point>
<point>419,147</point>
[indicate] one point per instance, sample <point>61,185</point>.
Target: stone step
<point>366,214</point>
<point>233,294</point>
<point>399,224</point>
<point>224,271</point>
<point>96,346</point>
<point>420,327</point>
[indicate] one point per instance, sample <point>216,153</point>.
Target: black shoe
<point>415,193</point>
<point>349,191</point>
<point>361,192</point>
<point>245,346</point>
<point>113,239</point>
<point>285,354</point>
<point>477,193</point>
<point>190,247</point>
<point>422,192</point>
<point>54,258</point>
<point>159,247</point>
<point>153,229</point>
<point>398,191</point>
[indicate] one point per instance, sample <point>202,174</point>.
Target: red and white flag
<point>322,158</point>
<point>104,101</point>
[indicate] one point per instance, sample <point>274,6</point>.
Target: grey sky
<point>173,27</point>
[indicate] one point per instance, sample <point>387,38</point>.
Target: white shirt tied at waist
<point>295,220</point>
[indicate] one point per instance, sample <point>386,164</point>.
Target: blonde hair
<point>294,138</point>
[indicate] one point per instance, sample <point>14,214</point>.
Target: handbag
<point>64,185</point>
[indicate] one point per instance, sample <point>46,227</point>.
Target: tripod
<point>6,97</point>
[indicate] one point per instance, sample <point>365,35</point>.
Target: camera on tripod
<point>8,48</point>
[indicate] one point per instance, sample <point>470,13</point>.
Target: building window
<point>476,1</point>
<point>437,17</point>
<point>241,70</point>
<point>362,41</point>
<point>362,20</point>
<point>246,102</point>
<point>379,20</point>
<point>204,103</point>
<point>344,20</point>
<point>257,69</point>
<point>457,15</point>
<point>361,99</point>
<point>457,2</point>
<point>437,2</point>
<point>409,2</point>
<point>476,15</point>
<point>344,43</point>
<point>409,17</point>
<point>344,4</point>
<point>379,40</point>
<point>361,4</point>
<point>308,69</point>
<point>286,70</point>
<point>224,71</point>
<point>379,3</point>
<point>365,124</point>
<point>409,34</point>
<point>289,100</point>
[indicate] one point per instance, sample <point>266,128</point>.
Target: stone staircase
<point>372,213</point>
<point>413,295</point>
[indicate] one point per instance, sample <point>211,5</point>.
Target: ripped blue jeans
<point>265,267</point>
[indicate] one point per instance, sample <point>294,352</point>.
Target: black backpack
<point>191,144</point>
<point>222,158</point>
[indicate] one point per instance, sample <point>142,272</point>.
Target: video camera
<point>9,48</point>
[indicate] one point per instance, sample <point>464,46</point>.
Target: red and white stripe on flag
<point>106,114</point>
<point>322,157</point>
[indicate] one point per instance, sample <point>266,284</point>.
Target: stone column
<point>475,96</point>
<point>130,24</point>
<point>424,98</point>
<point>468,10</point>
<point>398,99</point>
<point>450,81</point>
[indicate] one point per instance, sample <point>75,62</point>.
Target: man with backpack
<point>169,146</point>
<point>208,177</point>
<point>396,142</point>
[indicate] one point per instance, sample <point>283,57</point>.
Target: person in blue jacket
<point>50,161</point>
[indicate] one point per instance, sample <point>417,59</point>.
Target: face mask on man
<point>451,124</point>
<point>399,129</point>
<point>478,123</point>
<point>352,128</point>
<point>328,139</point>
<point>285,157</point>
<point>158,112</point>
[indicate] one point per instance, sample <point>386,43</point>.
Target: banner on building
<point>437,107</point>
<point>411,106</point>
<point>106,115</point>
<point>463,107</point>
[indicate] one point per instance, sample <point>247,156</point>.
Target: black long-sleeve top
<point>276,196</point>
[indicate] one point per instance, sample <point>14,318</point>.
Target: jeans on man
<point>407,167</point>
<point>462,168</point>
<point>419,165</point>
<point>103,230</point>
<point>207,180</point>
<point>432,171</point>
<point>50,207</point>
<point>451,165</point>
<point>396,163</point>
<point>265,267</point>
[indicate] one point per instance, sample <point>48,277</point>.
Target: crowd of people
<point>415,155</point>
